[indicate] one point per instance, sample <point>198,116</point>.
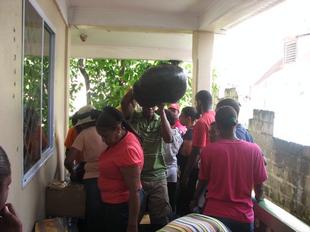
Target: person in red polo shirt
<point>119,172</point>
<point>200,136</point>
<point>231,168</point>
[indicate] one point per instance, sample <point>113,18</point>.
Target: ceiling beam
<point>128,52</point>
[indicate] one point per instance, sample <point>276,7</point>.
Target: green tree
<point>36,86</point>
<point>107,80</point>
<point>215,89</point>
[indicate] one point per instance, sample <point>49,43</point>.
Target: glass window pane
<point>32,86</point>
<point>45,90</point>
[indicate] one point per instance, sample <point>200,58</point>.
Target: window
<point>290,51</point>
<point>38,63</point>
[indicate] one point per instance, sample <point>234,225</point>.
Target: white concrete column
<point>202,57</point>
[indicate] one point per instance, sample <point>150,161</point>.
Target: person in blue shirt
<point>241,132</point>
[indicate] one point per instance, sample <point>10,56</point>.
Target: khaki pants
<point>156,201</point>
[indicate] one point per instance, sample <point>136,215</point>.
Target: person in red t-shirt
<point>200,136</point>
<point>119,172</point>
<point>231,168</point>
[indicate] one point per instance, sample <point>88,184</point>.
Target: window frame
<point>50,150</point>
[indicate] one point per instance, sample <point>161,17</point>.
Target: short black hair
<point>229,102</point>
<point>110,117</point>
<point>226,118</point>
<point>190,111</point>
<point>205,98</point>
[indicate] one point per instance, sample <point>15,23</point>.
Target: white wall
<point>28,201</point>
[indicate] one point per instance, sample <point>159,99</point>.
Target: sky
<point>245,52</point>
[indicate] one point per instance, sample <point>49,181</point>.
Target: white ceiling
<point>152,24</point>
<point>170,6</point>
<point>188,15</point>
<point>103,43</point>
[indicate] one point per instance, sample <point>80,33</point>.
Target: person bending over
<point>120,168</point>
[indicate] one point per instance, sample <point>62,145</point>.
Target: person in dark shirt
<point>188,117</point>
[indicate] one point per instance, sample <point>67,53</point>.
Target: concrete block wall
<point>288,166</point>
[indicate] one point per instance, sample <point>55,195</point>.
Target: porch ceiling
<point>149,29</point>
<point>172,15</point>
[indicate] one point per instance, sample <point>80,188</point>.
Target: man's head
<point>229,102</point>
<point>175,109</point>
<point>226,119</point>
<point>148,112</point>
<point>203,101</point>
<point>188,115</point>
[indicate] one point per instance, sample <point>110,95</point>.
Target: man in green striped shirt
<point>154,130</point>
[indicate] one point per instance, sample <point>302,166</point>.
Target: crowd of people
<point>163,161</point>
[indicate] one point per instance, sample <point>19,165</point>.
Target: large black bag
<point>160,84</point>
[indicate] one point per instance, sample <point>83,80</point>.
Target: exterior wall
<point>288,167</point>
<point>28,201</point>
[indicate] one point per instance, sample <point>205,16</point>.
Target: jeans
<point>236,226</point>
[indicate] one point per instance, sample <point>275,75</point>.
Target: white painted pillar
<point>202,57</point>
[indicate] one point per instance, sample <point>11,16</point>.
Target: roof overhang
<point>153,28</point>
<point>172,15</point>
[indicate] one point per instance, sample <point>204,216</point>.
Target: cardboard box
<point>65,200</point>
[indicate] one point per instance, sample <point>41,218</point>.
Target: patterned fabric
<point>195,223</point>
<point>154,168</point>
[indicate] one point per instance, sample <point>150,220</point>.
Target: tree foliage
<point>107,80</point>
<point>215,88</point>
<point>36,81</point>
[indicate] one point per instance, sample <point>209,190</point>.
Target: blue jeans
<point>236,226</point>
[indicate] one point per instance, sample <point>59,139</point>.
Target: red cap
<point>174,106</point>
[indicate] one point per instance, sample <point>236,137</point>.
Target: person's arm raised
<point>165,128</point>
<point>128,104</point>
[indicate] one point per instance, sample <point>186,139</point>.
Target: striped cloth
<point>195,223</point>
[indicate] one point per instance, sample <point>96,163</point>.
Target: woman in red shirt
<point>120,166</point>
